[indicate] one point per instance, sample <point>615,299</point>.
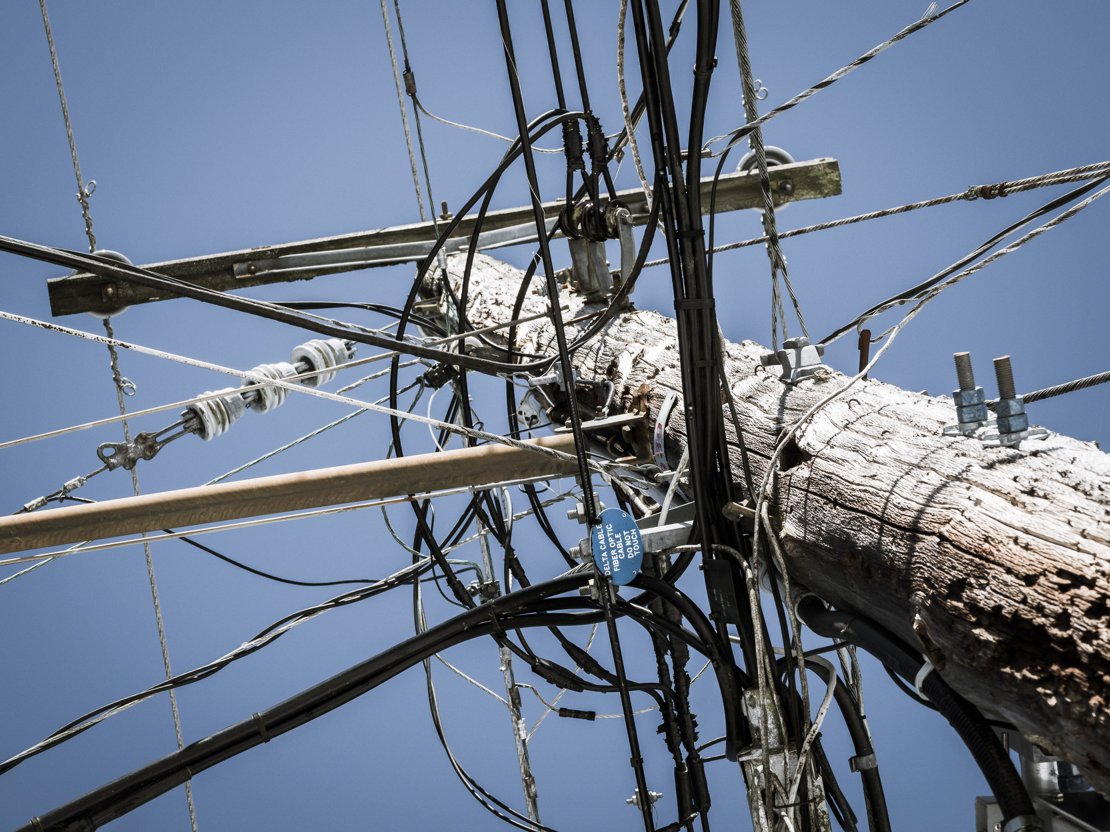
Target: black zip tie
<point>571,713</point>
<point>260,724</point>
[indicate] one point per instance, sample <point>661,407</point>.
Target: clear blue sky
<point>213,126</point>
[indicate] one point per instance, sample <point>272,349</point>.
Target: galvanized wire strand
<point>629,127</point>
<point>442,257</point>
<point>472,129</point>
<point>286,385</point>
<point>83,191</point>
<point>160,624</point>
<point>253,385</point>
<point>755,141</point>
<point>1061,389</point>
<point>930,16</point>
<point>925,297</point>
<point>973,193</point>
<point>404,112</point>
<point>161,408</point>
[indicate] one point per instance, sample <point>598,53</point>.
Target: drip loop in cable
<point>920,678</point>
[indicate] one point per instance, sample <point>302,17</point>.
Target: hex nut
<point>1013,424</point>
<point>1010,407</point>
<point>971,413</point>
<point>968,398</point>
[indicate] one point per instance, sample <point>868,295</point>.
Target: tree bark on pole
<point>994,561</point>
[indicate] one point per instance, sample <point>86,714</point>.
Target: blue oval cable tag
<point>617,547</point>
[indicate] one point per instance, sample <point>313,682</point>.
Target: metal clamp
<point>589,271</point>
<point>798,358</point>
<point>127,454</point>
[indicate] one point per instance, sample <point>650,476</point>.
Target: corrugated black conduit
<point>976,733</point>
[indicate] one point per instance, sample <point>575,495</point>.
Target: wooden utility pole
<point>994,561</point>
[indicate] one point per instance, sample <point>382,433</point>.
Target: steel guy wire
<point>755,141</point>
<point>930,16</point>
<point>204,397</point>
<point>410,88</point>
<point>403,111</point>
<point>629,127</point>
<point>84,191</point>
<point>972,194</point>
<point>1012,247</point>
<point>1061,389</point>
<point>160,624</point>
<point>321,394</point>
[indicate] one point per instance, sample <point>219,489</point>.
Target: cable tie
<point>410,82</point>
<point>863,762</point>
<point>571,713</point>
<point>920,678</point>
<point>684,304</point>
<point>260,724</point>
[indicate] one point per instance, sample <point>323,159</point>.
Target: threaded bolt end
<point>963,370</point>
<point>1004,374</point>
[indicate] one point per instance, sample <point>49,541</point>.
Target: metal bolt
<point>963,370</point>
<point>1004,374</point>
<point>786,187</point>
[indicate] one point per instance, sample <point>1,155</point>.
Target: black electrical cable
<point>268,575</point>
<point>422,321</point>
<point>133,790</point>
<point>84,723</point>
<point>572,404</point>
<point>698,343</point>
<point>736,725</point>
<point>545,254</point>
<point>915,292</point>
<point>976,733</point>
<point>878,817</point>
<point>553,53</point>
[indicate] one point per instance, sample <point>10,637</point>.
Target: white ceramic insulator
<point>321,355</point>
<point>217,415</point>
<point>269,396</point>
